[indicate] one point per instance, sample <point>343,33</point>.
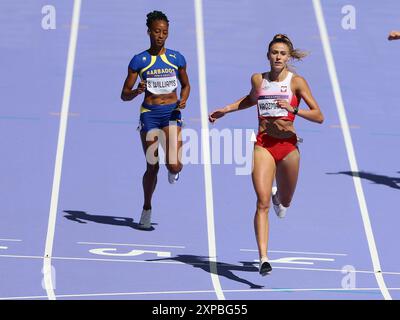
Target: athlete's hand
<point>216,114</point>
<point>284,104</point>
<point>181,104</point>
<point>394,35</point>
<point>141,87</point>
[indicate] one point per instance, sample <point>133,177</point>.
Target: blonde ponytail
<point>295,54</point>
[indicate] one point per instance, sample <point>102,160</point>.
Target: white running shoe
<point>279,209</point>
<point>264,267</point>
<point>173,177</point>
<point>145,219</point>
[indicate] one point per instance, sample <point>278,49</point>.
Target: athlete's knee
<point>174,168</point>
<point>263,205</point>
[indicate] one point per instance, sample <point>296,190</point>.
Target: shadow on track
<point>392,182</point>
<point>82,217</point>
<point>223,269</point>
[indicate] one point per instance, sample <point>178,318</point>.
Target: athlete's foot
<point>279,209</point>
<point>265,267</point>
<point>145,219</point>
<point>173,177</point>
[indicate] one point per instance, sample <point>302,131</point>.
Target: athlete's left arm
<point>185,86</point>
<point>302,90</point>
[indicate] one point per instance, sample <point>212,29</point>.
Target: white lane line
<point>24,298</point>
<point>201,54</point>
<point>349,148</point>
<point>11,240</point>
<point>60,150</point>
<point>346,290</point>
<point>321,269</point>
<point>93,259</point>
<point>115,294</point>
<point>119,260</point>
<point>20,256</point>
<point>131,245</point>
<point>298,252</point>
<point>297,260</point>
<point>343,290</point>
<point>194,264</point>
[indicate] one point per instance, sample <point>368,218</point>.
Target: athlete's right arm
<point>127,93</point>
<point>243,103</point>
<point>394,35</point>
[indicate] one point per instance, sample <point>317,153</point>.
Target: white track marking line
<point>24,298</point>
<point>60,150</point>
<point>349,148</point>
<point>131,245</point>
<point>306,289</point>
<point>321,269</point>
<point>11,240</point>
<point>182,263</point>
<point>20,256</point>
<point>298,252</point>
<point>289,290</point>
<point>206,148</point>
<point>119,260</point>
<point>93,259</point>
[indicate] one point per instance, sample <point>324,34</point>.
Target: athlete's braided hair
<point>155,15</point>
<point>283,38</point>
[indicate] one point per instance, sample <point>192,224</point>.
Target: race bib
<point>267,107</point>
<point>162,85</point>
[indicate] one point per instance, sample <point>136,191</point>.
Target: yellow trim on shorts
<point>143,109</point>
<point>165,59</point>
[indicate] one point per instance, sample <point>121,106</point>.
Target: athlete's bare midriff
<point>160,99</point>
<point>277,128</point>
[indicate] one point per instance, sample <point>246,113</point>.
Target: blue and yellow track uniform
<point>161,76</point>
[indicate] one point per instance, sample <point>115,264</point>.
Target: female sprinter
<point>277,94</point>
<point>159,69</point>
